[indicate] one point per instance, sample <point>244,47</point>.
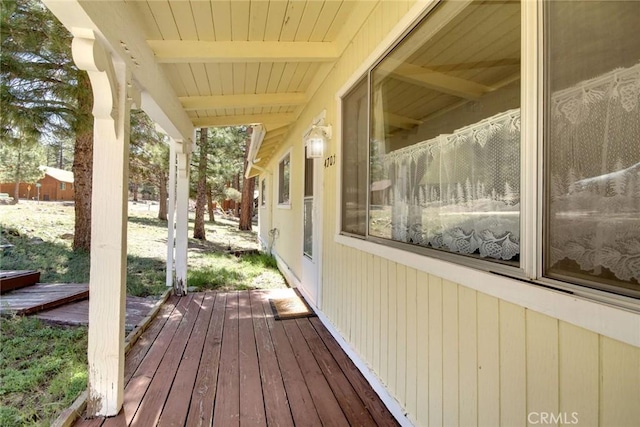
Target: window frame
<point>287,204</point>
<point>366,73</point>
<point>458,267</point>
<point>263,191</point>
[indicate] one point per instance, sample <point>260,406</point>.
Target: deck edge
<point>73,412</point>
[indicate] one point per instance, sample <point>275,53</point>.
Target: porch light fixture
<point>316,139</point>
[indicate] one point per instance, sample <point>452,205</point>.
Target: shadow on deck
<point>222,359</point>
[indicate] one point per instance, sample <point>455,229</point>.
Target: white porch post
<point>182,217</point>
<point>111,83</point>
<point>171,214</point>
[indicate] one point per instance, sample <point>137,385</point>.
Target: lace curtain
<point>461,191</point>
<point>594,157</point>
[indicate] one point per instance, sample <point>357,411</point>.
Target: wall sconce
<point>316,139</point>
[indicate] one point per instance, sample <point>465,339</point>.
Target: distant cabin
<point>57,185</point>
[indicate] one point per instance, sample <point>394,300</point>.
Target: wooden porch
<point>222,359</point>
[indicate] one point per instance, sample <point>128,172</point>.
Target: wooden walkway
<point>10,280</point>
<point>42,296</point>
<point>222,359</point>
<point>77,313</point>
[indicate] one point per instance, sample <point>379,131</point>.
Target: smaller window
<point>263,192</point>
<point>63,186</point>
<point>284,179</point>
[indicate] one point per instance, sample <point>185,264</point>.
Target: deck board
<point>353,407</point>
<point>203,395</point>
<point>177,406</point>
<point>139,382</point>
<point>252,410</point>
<point>222,359</point>
<point>10,280</point>
<point>156,395</point>
<point>376,408</point>
<point>276,404</point>
<point>302,408</point>
<point>76,313</point>
<point>42,296</point>
<point>227,403</point>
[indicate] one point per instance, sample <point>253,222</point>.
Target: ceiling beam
<point>434,80</point>
<point>401,122</point>
<point>183,51</point>
<point>191,103</point>
<point>269,120</point>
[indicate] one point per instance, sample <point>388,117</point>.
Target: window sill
<point>283,205</point>
<point>615,322</point>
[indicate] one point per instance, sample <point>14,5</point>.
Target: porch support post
<point>171,214</point>
<point>112,93</point>
<point>182,217</point>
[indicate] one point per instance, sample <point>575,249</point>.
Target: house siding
<point>449,354</point>
<point>49,190</point>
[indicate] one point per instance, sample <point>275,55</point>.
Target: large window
<point>592,145</point>
<point>444,135</point>
<point>284,180</point>
<point>443,142</point>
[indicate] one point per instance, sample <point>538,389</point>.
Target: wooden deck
<point>77,313</point>
<point>10,280</point>
<point>222,359</point>
<point>42,296</point>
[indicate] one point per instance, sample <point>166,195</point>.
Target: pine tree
<point>43,92</point>
<point>20,163</point>
<point>199,231</point>
<point>248,187</point>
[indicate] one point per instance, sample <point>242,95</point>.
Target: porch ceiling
<point>235,62</point>
<point>201,63</point>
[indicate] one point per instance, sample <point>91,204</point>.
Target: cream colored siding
<point>454,356</point>
<point>513,359</point>
<point>449,355</point>
<point>620,387</point>
<point>579,368</point>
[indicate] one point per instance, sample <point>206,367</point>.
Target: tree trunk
<point>237,187</point>
<point>134,190</point>
<point>82,183</point>
<point>83,167</point>
<point>246,203</point>
<point>212,217</point>
<point>162,212</point>
<point>16,177</point>
<point>198,227</point>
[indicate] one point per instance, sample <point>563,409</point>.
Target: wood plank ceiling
<point>234,62</point>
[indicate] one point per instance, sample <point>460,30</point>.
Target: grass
<point>228,272</point>
<point>42,238</point>
<point>43,368</point>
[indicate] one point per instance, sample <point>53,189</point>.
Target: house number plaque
<point>330,161</point>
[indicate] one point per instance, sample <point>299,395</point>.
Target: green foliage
<point>261,259</point>
<point>145,276</point>
<point>43,369</point>
<point>149,151</point>
<point>225,159</point>
<point>39,88</point>
<point>21,161</point>
<point>228,272</point>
